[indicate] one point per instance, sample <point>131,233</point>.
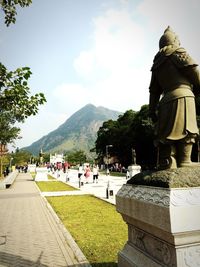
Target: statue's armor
<point>167,70</point>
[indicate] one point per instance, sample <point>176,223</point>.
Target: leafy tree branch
<point>9,8</point>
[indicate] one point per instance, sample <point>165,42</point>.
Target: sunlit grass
<point>52,186</point>
<point>95,225</point>
<point>50,177</point>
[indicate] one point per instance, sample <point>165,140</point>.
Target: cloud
<point>115,70</point>
<point>69,97</point>
<point>117,41</point>
<point>84,63</point>
<point>128,91</point>
<point>113,67</point>
<point>181,15</point>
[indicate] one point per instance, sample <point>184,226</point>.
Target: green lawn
<point>53,186</point>
<point>50,177</point>
<point>95,225</point>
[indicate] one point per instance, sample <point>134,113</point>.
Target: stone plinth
<point>134,169</point>
<point>163,226</point>
<point>41,174</point>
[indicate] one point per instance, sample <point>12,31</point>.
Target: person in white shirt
<point>95,171</point>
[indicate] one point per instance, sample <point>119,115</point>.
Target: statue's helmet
<point>169,38</point>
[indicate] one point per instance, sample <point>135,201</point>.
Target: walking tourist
<point>87,173</point>
<point>95,171</point>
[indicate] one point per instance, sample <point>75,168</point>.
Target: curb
<point>66,234</point>
<point>68,237</point>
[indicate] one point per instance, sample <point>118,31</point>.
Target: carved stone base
<point>134,169</point>
<point>163,226</point>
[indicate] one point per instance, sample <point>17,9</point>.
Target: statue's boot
<point>184,151</point>
<point>167,156</point>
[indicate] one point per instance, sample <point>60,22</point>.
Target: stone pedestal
<point>134,169</point>
<point>41,174</point>
<point>163,226</point>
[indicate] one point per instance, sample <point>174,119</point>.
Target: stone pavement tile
<point>29,233</point>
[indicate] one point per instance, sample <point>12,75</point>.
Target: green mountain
<point>77,133</point>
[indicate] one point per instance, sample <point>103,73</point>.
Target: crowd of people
<point>22,168</point>
<point>53,167</point>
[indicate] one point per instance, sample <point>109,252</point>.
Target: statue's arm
<point>188,67</point>
<point>193,74</point>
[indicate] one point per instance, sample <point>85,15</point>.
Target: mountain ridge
<point>78,132</point>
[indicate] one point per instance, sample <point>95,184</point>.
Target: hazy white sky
<point>92,51</point>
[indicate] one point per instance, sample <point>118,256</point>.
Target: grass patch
<point>54,186</point>
<point>50,177</point>
<point>95,225</point>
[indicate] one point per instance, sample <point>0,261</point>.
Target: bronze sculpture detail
<point>174,83</point>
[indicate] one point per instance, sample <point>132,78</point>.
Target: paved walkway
<point>98,189</point>
<point>30,232</point>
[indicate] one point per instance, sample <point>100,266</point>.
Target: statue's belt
<point>182,91</point>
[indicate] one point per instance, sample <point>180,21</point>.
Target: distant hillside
<point>79,132</point>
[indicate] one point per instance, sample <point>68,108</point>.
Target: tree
<point>9,9</point>
<point>142,130</point>
<point>117,134</point>
<point>132,130</point>
<point>16,103</point>
<point>105,136</point>
<point>21,157</point>
<point>124,140</point>
<point>8,132</point>
<point>76,157</point>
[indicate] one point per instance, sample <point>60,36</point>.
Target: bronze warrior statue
<point>174,82</point>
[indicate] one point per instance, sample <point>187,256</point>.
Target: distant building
<point>57,158</point>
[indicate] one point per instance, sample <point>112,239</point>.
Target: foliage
<point>132,130</point>
<point>197,101</point>
<point>8,132</point>
<point>46,157</point>
<point>105,136</point>
<point>54,186</point>
<point>21,157</point>
<point>95,225</point>
<point>76,157</point>
<point>9,9</point>
<point>16,103</point>
<point>15,94</point>
<point>142,130</point>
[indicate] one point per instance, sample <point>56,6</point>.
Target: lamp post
<point>107,170</point>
